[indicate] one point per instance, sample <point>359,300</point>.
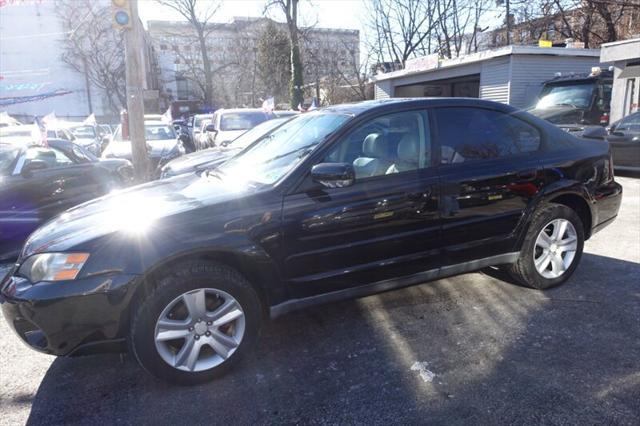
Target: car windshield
<point>152,132</point>
<point>273,156</point>
<point>8,154</point>
<point>85,132</point>
<point>197,121</point>
<point>241,120</point>
<point>247,138</point>
<point>577,95</point>
<point>159,132</point>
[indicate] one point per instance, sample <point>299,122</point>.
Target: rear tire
<point>552,248</point>
<point>199,320</point>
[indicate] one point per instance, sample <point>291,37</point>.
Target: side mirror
<point>595,133</point>
<point>333,175</point>
<point>210,128</point>
<point>31,166</point>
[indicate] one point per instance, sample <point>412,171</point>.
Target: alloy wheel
<point>199,329</point>
<point>555,248</point>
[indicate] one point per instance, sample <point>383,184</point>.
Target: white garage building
<point>511,74</point>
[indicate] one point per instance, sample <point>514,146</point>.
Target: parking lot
<point>469,349</point>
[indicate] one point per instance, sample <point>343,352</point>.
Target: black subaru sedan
<point>337,203</point>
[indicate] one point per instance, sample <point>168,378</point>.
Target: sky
<point>326,13</point>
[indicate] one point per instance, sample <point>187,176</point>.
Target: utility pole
<point>133,50</point>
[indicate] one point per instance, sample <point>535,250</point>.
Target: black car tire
<point>524,269</point>
<point>185,277</point>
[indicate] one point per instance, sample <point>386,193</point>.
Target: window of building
<point>470,134</point>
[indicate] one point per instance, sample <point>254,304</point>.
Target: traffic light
<point>121,13</point>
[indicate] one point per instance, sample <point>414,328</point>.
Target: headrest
<point>374,146</point>
<point>408,149</point>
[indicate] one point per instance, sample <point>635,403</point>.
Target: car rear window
<point>241,120</point>
<point>471,134</point>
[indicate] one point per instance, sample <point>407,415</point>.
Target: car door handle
<point>415,196</point>
<point>527,175</point>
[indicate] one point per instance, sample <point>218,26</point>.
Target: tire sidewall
<point>526,265</point>
<point>189,277</point>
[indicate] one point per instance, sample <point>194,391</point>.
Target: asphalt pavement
<point>470,349</point>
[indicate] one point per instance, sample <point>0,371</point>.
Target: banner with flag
<point>42,128</point>
<point>166,117</point>
<point>90,120</point>
<point>269,104</point>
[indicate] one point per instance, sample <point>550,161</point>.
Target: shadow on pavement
<point>490,352</point>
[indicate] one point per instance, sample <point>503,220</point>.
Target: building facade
<point>34,78</point>
<point>234,51</point>
<point>511,74</point>
<point>625,57</point>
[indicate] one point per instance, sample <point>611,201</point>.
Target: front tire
<point>198,321</point>
<point>552,248</point>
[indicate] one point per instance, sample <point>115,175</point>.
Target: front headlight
<point>53,266</point>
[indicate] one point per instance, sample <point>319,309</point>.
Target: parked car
<point>202,141</point>
<point>285,113</point>
<point>87,136</point>
<point>196,126</point>
<point>576,100</point>
<point>624,138</point>
<point>163,145</point>
<point>341,202</point>
<point>212,157</point>
<point>228,124</point>
<point>37,182</point>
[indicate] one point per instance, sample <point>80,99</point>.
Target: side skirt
<point>391,284</point>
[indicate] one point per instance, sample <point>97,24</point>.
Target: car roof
<point>390,104</point>
<point>236,110</point>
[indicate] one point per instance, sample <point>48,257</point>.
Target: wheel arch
<point>262,276</point>
<point>579,204</point>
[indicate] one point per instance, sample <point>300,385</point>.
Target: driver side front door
<point>384,226</point>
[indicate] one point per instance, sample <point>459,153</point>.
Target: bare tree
<point>401,29</point>
<point>274,61</point>
<point>290,10</point>
<point>92,47</point>
<point>199,15</point>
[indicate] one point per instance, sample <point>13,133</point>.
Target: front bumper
<point>64,317</point>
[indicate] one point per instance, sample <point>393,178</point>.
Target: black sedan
<point>37,182</point>
<point>340,202</point>
<point>212,157</point>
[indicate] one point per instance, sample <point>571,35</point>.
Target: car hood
<point>561,114</point>
<point>156,149</point>
<point>132,211</point>
<point>194,161</point>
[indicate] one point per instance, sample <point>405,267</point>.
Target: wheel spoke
<point>557,265</point>
<point>543,261</point>
<point>226,313</point>
<point>568,244</point>
<point>195,303</point>
<point>222,344</point>
<point>188,354</point>
<point>559,229</point>
<point>171,329</point>
<point>544,240</point>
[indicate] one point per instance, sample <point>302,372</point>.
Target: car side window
<point>471,134</point>
<point>385,145</point>
<point>51,156</point>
